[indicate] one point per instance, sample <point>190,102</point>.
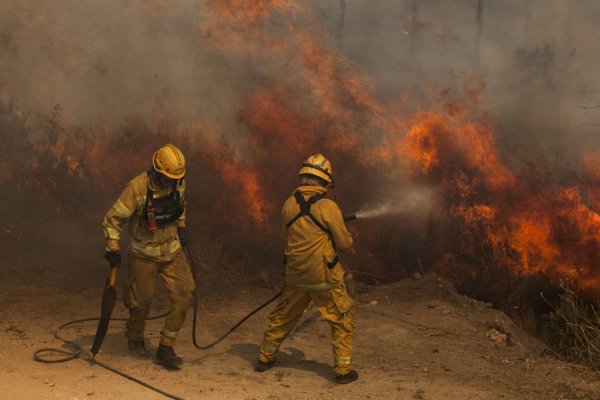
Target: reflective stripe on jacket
<point>162,244</point>
<point>308,248</point>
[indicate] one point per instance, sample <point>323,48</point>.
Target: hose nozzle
<point>349,217</point>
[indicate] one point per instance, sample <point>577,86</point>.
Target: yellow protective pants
<point>335,306</point>
<point>177,279</point>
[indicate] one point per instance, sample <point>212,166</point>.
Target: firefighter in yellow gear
<point>315,231</point>
<point>153,203</point>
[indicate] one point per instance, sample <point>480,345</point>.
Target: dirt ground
<point>416,339</point>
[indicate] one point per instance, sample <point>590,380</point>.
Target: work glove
<point>114,258</point>
<point>183,237</point>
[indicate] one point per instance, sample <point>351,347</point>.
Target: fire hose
<point>348,217</point>
<point>78,352</point>
<point>234,327</point>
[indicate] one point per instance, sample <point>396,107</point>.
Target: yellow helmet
<point>318,166</point>
<point>169,161</point>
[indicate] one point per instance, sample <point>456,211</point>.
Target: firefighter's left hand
<point>113,258</point>
<point>183,237</point>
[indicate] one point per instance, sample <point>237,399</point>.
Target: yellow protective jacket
<point>309,249</point>
<point>160,245</point>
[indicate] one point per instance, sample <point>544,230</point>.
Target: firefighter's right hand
<point>183,237</point>
<point>114,258</point>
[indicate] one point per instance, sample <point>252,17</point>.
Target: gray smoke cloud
<point>102,61</point>
<point>538,59</point>
<point>106,60</point>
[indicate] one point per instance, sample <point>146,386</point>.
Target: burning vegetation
<point>503,228</point>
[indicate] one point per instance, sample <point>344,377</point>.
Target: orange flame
<point>557,235</point>
<point>251,190</point>
<point>318,100</point>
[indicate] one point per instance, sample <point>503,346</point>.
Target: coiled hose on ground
<point>77,351</point>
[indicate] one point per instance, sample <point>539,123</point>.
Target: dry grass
<point>573,329</point>
<point>208,249</point>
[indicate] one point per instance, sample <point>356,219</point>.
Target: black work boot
<point>136,347</point>
<point>346,378</point>
<point>262,366</point>
<point>165,356</point>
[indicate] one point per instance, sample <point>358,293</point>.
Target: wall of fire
<point>490,107</point>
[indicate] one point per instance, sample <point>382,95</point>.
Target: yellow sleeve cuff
<point>112,245</point>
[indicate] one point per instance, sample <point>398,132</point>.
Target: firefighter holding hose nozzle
<point>315,231</point>
<point>154,205</point>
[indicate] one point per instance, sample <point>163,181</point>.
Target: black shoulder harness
<point>305,206</point>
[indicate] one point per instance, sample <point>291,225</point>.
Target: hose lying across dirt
<point>79,352</point>
<point>234,327</point>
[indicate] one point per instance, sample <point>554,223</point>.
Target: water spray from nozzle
<point>411,200</point>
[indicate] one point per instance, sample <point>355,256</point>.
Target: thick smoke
<point>280,80</point>
<point>538,60</point>
<point>109,60</point>
<point>102,61</point>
